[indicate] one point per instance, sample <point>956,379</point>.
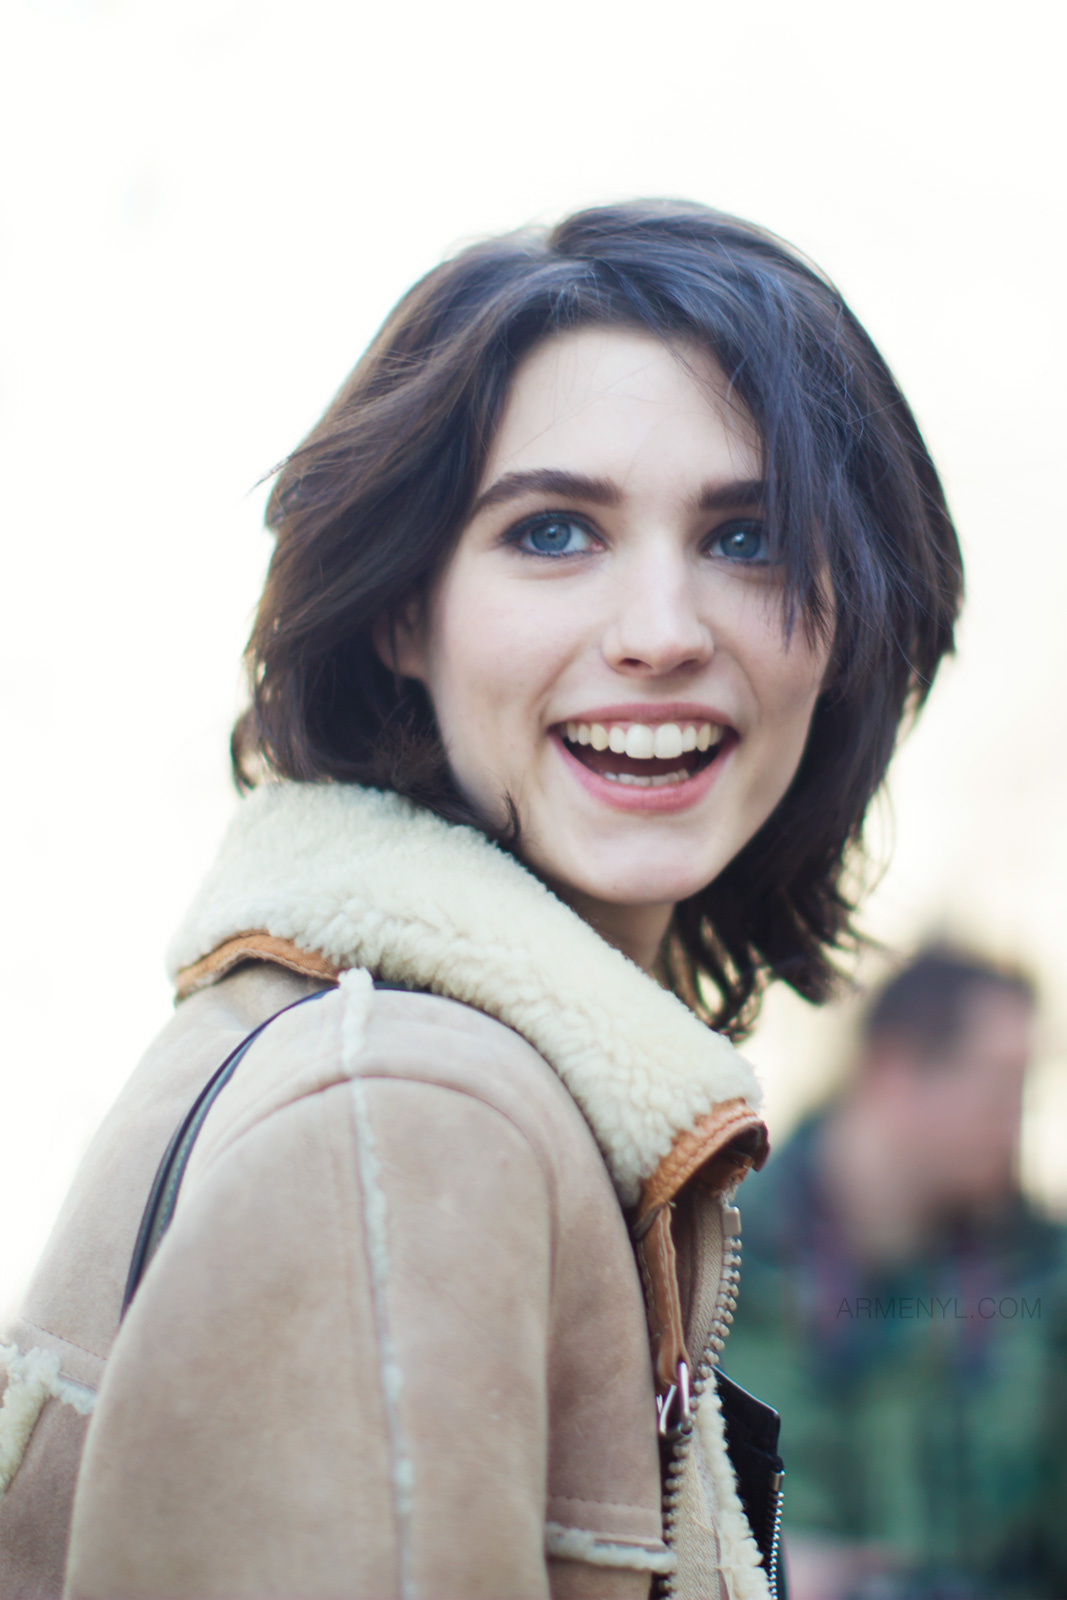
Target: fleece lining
<point>740,1561</point>
<point>33,1378</point>
<point>578,1544</point>
<point>367,879</point>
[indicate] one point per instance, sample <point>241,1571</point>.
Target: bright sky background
<point>207,208</point>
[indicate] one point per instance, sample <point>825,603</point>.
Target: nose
<point>655,627</point>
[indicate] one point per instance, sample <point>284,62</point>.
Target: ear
<point>399,640</point>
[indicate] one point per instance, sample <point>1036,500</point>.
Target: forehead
<point>625,404</point>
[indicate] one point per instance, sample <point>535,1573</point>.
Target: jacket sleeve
<point>333,1379</point>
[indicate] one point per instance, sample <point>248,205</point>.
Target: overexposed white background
<point>209,206</point>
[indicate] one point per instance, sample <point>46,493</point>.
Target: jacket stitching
<point>376,1243</point>
<point>59,1337</point>
<point>613,1505</point>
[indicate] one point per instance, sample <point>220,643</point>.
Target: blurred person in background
<point>904,1308</point>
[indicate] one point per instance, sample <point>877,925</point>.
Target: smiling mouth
<point>645,755</point>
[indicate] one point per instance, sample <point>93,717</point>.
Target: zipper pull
<point>674,1408</point>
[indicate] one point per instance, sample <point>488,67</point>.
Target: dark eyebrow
<point>548,480</point>
<point>731,496</point>
<point>602,492</point>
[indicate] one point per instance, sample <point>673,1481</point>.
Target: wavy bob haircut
<point>368,508</point>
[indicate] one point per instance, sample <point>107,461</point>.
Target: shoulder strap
<point>163,1195</point>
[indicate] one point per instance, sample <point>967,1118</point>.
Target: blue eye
<point>743,541</point>
<point>553,536</point>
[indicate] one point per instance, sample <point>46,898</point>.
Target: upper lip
<point>650,713</point>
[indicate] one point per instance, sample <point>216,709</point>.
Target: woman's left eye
<point>742,541</point>
<point>553,536</point>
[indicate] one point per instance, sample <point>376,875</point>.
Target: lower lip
<point>629,797</point>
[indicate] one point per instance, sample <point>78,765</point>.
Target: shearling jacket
<point>396,1341</point>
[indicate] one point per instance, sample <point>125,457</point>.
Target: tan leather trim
<point>253,947</point>
<point>659,1273</point>
<point>716,1153</point>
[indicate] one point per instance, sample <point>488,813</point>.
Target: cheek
<point>784,683</point>
<point>787,679</point>
<point>493,660</point>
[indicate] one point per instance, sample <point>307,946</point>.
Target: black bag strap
<point>163,1195</point>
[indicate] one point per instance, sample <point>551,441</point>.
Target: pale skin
<point>615,572</point>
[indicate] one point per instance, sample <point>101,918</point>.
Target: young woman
<point>600,592</point>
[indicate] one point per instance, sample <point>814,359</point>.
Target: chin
<point>639,866</point>
<point>639,885</point>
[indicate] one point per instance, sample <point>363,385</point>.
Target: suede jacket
<point>446,1255</point>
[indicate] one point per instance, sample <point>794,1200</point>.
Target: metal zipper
<point>776,1534</point>
<point>679,1438</point>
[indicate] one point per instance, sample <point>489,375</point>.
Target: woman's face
<point>606,643</point>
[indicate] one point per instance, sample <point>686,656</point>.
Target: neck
<point>638,931</point>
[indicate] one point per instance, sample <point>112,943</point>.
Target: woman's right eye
<point>552,536</point>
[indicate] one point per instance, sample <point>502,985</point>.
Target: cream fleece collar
<point>367,879</point>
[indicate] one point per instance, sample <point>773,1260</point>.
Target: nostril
<point>631,649</point>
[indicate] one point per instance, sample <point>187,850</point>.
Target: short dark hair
<point>926,1002</point>
<point>367,509</point>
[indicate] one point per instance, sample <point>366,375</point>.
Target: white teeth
<point>660,781</point>
<point>668,742</point>
<point>640,742</point>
